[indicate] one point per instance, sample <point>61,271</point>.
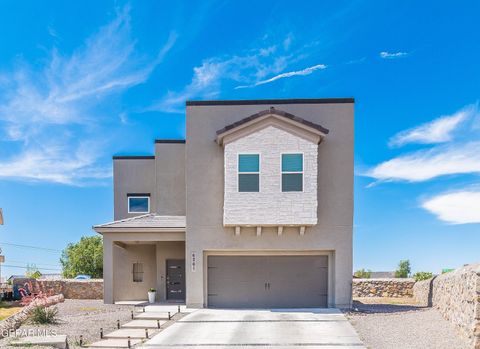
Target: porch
<point>141,253</point>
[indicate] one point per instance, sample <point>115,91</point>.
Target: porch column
<point>107,269</point>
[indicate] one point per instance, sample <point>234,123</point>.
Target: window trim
<point>259,172</point>
<point>129,196</point>
<point>137,276</point>
<point>292,172</point>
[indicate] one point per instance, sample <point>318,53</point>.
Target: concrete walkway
<point>147,321</point>
<point>275,329</point>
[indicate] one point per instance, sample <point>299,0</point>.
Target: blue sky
<point>82,81</point>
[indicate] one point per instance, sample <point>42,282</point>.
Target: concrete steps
<point>145,320</point>
<point>150,315</point>
<point>137,333</point>
<point>114,343</point>
<point>154,324</point>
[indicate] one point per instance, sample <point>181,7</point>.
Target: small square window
<point>137,272</point>
<point>138,204</point>
<point>248,172</point>
<point>292,172</point>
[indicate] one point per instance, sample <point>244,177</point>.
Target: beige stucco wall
<point>162,177</point>
<point>271,206</point>
<point>124,257</point>
<point>205,185</point>
<point>132,176</point>
<point>170,179</point>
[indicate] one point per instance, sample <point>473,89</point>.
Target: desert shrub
<point>363,274</point>
<point>44,315</point>
<point>422,275</point>
<point>403,270</point>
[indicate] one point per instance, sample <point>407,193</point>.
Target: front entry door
<point>175,279</point>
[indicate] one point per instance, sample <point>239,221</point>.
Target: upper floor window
<point>248,172</point>
<point>292,172</point>
<point>138,203</point>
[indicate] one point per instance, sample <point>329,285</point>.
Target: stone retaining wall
<point>394,288</point>
<point>10,324</point>
<point>70,288</point>
<point>457,296</point>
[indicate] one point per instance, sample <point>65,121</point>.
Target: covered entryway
<point>294,281</point>
<point>136,252</point>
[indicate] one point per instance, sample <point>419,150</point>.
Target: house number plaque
<point>193,261</point>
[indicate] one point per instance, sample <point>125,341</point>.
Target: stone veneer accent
<point>70,288</point>
<point>10,324</point>
<point>271,206</point>
<point>457,296</point>
<point>394,288</point>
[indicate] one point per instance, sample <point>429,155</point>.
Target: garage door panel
<point>234,281</point>
<point>267,281</point>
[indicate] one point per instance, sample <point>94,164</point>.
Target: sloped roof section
<point>145,222</point>
<point>270,115</point>
<point>277,112</point>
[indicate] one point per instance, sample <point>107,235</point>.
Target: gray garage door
<point>267,281</point>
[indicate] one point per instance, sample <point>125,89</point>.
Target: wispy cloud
<point>51,114</point>
<point>207,81</point>
<point>453,156</point>
<point>392,55</point>
<point>460,207</point>
<point>249,68</point>
<point>424,165</point>
<point>439,130</point>
<point>303,72</point>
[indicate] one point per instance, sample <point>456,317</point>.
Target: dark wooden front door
<point>175,279</point>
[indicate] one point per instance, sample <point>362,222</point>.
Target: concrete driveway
<point>275,329</point>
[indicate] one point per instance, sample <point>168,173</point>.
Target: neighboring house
<point>254,209</point>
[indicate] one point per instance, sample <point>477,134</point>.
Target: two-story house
<point>253,209</point>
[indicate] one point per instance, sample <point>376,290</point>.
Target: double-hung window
<point>248,172</point>
<point>138,203</point>
<point>292,172</point>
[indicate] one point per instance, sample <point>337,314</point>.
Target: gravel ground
<point>403,326</point>
<point>81,317</point>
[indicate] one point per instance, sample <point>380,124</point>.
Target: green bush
<point>403,270</point>
<point>363,274</point>
<point>83,257</point>
<point>43,315</point>
<point>422,275</point>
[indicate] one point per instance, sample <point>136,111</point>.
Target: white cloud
<point>424,165</point>
<point>456,208</point>
<point>392,55</point>
<point>50,115</point>
<point>437,131</point>
<point>206,81</point>
<point>303,72</point>
<point>57,163</point>
<point>246,69</point>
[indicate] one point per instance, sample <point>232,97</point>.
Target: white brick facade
<point>271,206</point>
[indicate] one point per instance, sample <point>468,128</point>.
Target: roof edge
<point>133,157</point>
<point>249,120</point>
<point>272,101</point>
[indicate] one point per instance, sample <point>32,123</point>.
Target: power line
<point>35,263</point>
<point>32,247</point>
<point>19,266</point>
